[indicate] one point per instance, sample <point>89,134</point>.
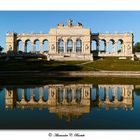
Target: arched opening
<point>45,47</point>
<point>78,95</point>
<point>94,46</point>
<point>60,95</point>
<point>119,46</point>
<point>28,46</point>
<point>69,95</point>
<point>36,47</point>
<point>45,96</point>
<point>78,45</point>
<point>94,93</point>
<point>20,48</point>
<point>110,48</point>
<point>119,94</point>
<point>60,46</point>
<point>102,93</point>
<point>27,95</point>
<point>111,97</point>
<point>36,94</point>
<point>19,94</point>
<point>102,46</point>
<point>69,45</point>
<point>10,48</point>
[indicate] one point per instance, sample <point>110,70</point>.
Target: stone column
<point>107,94</point>
<point>123,48</point>
<point>97,47</point>
<point>25,48</point>
<point>83,93</point>
<point>33,48</point>
<point>48,47</point>
<point>83,47</point>
<point>32,94</point>
<point>113,48</point>
<point>41,48</point>
<point>115,93</point>
<point>56,49</point>
<point>73,97</point>
<point>65,47</point>
<point>23,94</point>
<point>40,93</point>
<point>99,92</point>
<point>74,47</point>
<point>64,95</point>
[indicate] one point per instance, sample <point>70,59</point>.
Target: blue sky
<point>42,21</point>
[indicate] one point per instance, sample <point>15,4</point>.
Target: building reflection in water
<point>70,101</point>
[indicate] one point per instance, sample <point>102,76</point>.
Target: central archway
<point>69,95</point>
<point>69,45</point>
<point>60,95</point>
<point>60,46</point>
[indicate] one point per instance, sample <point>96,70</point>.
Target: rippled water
<point>72,106</point>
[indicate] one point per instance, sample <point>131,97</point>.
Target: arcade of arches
<point>70,100</point>
<point>72,42</point>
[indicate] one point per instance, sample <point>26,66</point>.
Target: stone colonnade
<point>107,44</point>
<point>72,42</point>
<point>115,95</point>
<point>50,95</point>
<point>55,95</point>
<point>13,40</point>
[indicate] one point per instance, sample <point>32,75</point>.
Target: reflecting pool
<point>70,106</point>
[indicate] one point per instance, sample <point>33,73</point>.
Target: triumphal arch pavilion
<point>73,42</point>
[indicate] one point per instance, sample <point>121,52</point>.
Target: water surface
<point>70,106</point>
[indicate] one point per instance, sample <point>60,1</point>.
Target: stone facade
<point>73,42</point>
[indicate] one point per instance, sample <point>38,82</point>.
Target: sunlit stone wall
<point>72,42</point>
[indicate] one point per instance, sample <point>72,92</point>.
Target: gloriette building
<point>72,42</point>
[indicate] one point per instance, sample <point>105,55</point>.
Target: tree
<point>136,47</point>
<point>1,48</point>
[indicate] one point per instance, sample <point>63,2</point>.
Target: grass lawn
<point>43,65</point>
<point>114,65</point>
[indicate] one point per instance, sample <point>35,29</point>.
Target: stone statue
<point>80,24</point>
<point>69,22</point>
